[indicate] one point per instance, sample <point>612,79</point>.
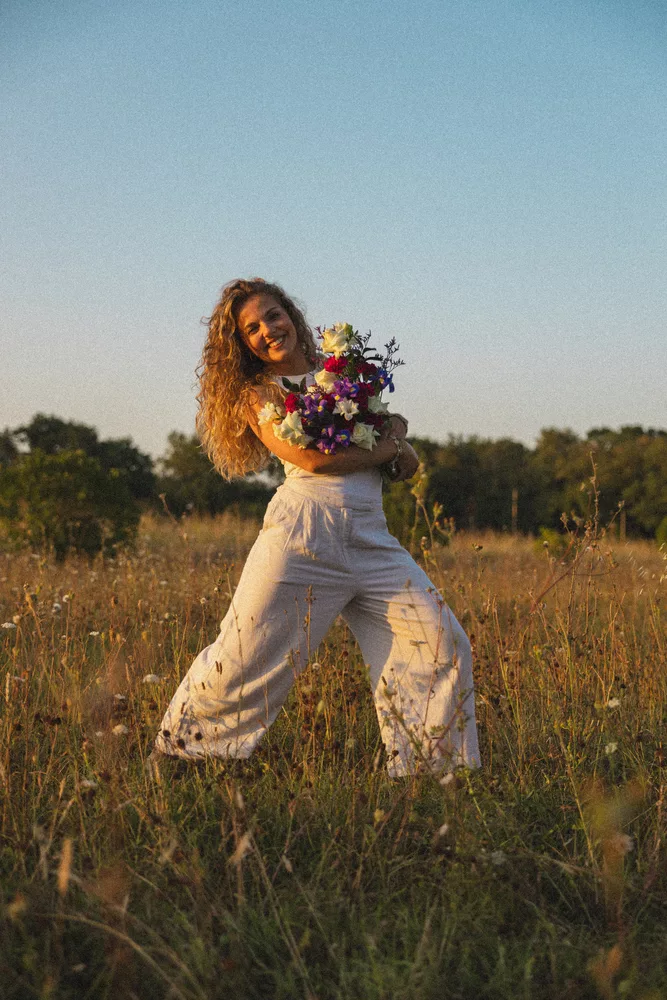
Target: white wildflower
<point>611,748</point>
<point>622,843</point>
<point>87,784</point>
<point>67,598</point>
<point>614,703</point>
<point>163,583</point>
<point>120,697</point>
<point>16,619</point>
<point>364,436</point>
<point>447,779</point>
<point>442,830</point>
<point>56,608</point>
<point>347,408</point>
<point>498,858</point>
<point>93,633</point>
<point>120,730</point>
<point>152,679</point>
<point>8,625</point>
<point>270,413</point>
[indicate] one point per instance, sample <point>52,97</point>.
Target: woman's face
<point>269,333</point>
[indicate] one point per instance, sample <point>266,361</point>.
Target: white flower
<point>622,843</point>
<point>338,339</point>
<point>93,633</point>
<point>120,730</point>
<point>347,408</point>
<point>56,608</point>
<point>290,430</point>
<point>498,858</point>
<point>611,748</point>
<point>269,413</point>
<point>375,405</point>
<point>8,625</point>
<point>447,778</point>
<point>364,436</point>
<point>614,703</point>
<point>87,783</point>
<point>442,830</point>
<point>325,379</point>
<point>120,697</point>
<point>152,679</point>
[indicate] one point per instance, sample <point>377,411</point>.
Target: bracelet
<point>392,467</point>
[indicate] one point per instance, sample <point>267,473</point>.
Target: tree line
<point>64,489</point>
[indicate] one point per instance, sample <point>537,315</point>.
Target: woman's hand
<point>398,425</point>
<point>407,463</point>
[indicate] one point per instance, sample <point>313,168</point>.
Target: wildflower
<point>67,598</point>
<point>614,703</point>
<point>447,779</point>
<point>622,843</point>
<point>120,730</point>
<point>163,583</point>
<point>203,600</point>
<point>442,830</point>
<point>93,633</point>
<point>88,785</point>
<point>8,625</point>
<point>56,608</point>
<point>16,619</point>
<point>378,816</point>
<point>120,697</point>
<point>152,679</point>
<point>498,858</point>
<point>611,748</point>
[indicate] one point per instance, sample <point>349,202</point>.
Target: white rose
<point>269,413</point>
<point>337,339</point>
<point>290,430</point>
<point>375,405</point>
<point>325,379</point>
<point>364,436</point>
<point>347,408</point>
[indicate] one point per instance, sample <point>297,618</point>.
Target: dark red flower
<point>367,368</point>
<point>291,402</point>
<point>336,365</point>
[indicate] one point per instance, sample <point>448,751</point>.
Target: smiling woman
<point>324,551</point>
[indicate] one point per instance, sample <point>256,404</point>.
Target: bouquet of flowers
<point>344,406</point>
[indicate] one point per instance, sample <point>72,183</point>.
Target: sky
<point>484,181</point>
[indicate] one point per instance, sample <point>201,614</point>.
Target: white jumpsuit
<point>324,550</point>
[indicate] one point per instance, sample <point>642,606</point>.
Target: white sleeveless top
<point>363,488</point>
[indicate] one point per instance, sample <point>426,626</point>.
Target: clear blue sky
<point>486,181</point>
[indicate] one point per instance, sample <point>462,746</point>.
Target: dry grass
<point>305,872</point>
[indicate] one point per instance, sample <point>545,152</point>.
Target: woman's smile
<point>267,330</point>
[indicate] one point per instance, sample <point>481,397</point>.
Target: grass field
<point>305,872</point>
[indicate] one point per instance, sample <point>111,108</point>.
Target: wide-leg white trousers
<point>313,561</point>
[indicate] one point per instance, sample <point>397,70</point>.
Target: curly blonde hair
<point>230,376</point>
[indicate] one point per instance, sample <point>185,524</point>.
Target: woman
<point>324,550</point>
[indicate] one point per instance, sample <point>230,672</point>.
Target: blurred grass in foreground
<point>305,872</point>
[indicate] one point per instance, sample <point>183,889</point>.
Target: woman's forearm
<point>352,459</point>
